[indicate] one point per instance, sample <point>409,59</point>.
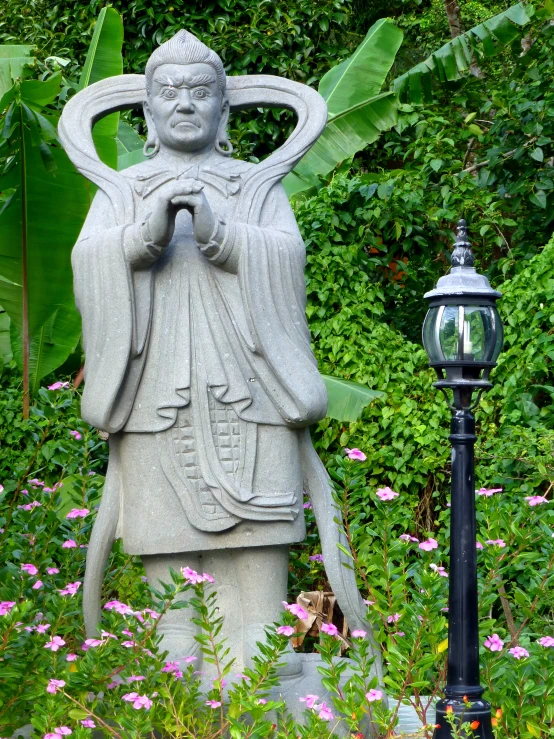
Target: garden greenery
<point>378,232</point>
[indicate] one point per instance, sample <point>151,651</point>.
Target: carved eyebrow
<point>196,81</point>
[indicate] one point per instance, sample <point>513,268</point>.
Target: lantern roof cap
<point>463,279</point>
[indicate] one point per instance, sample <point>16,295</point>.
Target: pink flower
<point>546,641</point>
<point>359,634</point>
<point>135,678</point>
<point>296,610</point>
<point>6,606</point>
<point>193,578</point>
<point>496,542</point>
<point>285,630</point>
<point>478,545</point>
<point>69,544</point>
<point>30,506</point>
<point>55,644</point>
<point>518,652</point>
<point>58,386</point>
<point>330,629</point>
<point>369,602</point>
<point>30,569</point>
<point>71,588</point>
<point>129,644</point>
<point>71,657</point>
<point>52,570</point>
<point>170,667</point>
<point>42,628</point>
<point>534,500</point>
<point>316,558</point>
<point>91,644</point>
<point>407,537</point>
<point>51,736</point>
<point>429,544</point>
<point>310,700</point>
<point>494,643</point>
<point>88,723</point>
<point>439,570</point>
<point>38,585</point>
<point>138,701</point>
<point>155,614</point>
<point>53,686</point>
<point>63,730</point>
<point>488,492</point>
<point>307,505</point>
<point>76,435</point>
<point>213,704</point>
<point>374,695</point>
<point>325,712</point>
<point>394,618</point>
<point>36,483</point>
<point>355,454</point>
<point>118,607</point>
<point>193,659</point>
<point>108,635</point>
<point>386,494</point>
<point>78,513</point>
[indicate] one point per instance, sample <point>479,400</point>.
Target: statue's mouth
<point>175,124</point>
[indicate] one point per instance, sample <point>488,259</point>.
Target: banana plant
<point>43,206</point>
<point>359,111</point>
<point>347,399</point>
<point>452,61</point>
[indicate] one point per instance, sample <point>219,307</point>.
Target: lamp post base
<point>475,711</point>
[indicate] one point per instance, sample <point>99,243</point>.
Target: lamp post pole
<point>462,335</point>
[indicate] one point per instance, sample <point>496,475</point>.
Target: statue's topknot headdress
<point>184,48</point>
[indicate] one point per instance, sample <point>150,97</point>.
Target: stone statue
<point>189,280</point>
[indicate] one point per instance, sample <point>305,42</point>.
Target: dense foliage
<point>378,236</point>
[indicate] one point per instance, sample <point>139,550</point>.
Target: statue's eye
<point>169,94</point>
<point>200,94</point>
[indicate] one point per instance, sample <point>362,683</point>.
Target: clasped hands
<point>185,194</point>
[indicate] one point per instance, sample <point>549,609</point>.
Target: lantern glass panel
<point>469,333</point>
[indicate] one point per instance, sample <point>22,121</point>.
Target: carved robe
<point>198,363</point>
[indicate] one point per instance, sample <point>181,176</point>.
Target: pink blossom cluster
<point>54,685</point>
<point>59,732</point>
<point>439,570</point>
<point>494,643</point>
<point>30,569</point>
<point>193,578</point>
<point>534,500</point>
<point>6,606</point>
<point>71,588</point>
<point>496,543</point>
<point>546,641</point>
<point>488,491</point>
<point>429,544</point>
<point>296,610</point>
<point>138,701</point>
<point>58,386</point>
<point>394,618</point>
<point>78,513</point>
<point>355,454</point>
<point>39,628</point>
<point>91,643</point>
<point>386,494</point>
<point>518,652</point>
<point>30,506</point>
<point>322,709</point>
<point>118,607</point>
<point>213,703</point>
<point>316,558</point>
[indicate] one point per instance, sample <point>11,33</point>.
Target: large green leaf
<point>347,399</point>
<point>5,344</point>
<point>12,61</point>
<point>453,60</point>
<point>103,60</point>
<point>51,345</point>
<point>129,146</point>
<point>358,111</point>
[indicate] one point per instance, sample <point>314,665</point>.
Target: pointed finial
<point>462,255</point>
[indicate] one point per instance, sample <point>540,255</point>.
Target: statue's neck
<point>179,159</point>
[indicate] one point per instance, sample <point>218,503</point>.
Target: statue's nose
<point>186,104</point>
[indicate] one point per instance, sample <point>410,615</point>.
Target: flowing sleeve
<point>115,322</point>
<point>269,260</point>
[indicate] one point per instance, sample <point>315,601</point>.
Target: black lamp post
<point>462,335</point>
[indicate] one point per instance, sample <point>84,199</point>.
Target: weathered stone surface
<point>189,279</point>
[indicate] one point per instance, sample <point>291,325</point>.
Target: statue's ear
<point>152,141</point>
<point>222,144</point>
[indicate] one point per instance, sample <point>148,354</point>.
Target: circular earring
<point>224,142</point>
<point>149,144</point>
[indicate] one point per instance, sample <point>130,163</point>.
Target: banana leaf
<point>358,110</point>
<point>453,60</point>
<point>13,59</point>
<point>129,146</point>
<point>103,60</point>
<point>347,399</point>
<point>5,344</point>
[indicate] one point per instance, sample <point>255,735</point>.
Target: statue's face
<point>185,104</point>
